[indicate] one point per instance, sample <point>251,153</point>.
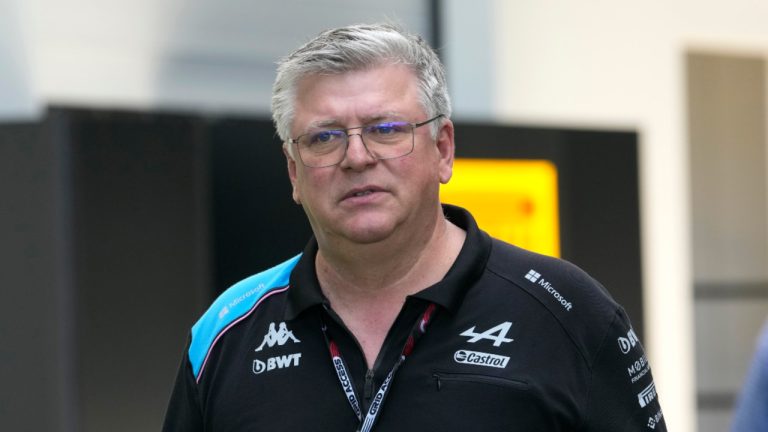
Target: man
<point>401,315</point>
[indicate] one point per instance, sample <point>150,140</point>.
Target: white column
<point>16,93</point>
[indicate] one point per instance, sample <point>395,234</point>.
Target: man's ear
<point>446,147</point>
<point>292,174</point>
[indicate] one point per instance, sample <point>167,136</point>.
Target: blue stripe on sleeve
<point>231,305</point>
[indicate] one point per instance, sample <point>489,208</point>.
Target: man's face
<point>364,200</point>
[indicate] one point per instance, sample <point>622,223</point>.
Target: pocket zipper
<point>476,378</point>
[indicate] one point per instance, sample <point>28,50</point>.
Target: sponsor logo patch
<point>497,334</point>
<point>278,362</point>
<point>277,336</point>
<point>535,278</point>
<point>647,395</point>
<point>481,359</point>
<point>226,309</point>
<point>638,369</point>
<point>533,275</point>
<point>654,420</point>
<point>627,343</point>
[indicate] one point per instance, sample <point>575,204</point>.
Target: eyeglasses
<point>387,140</point>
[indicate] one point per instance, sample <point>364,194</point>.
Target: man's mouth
<point>361,192</point>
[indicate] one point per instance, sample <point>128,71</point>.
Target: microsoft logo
<point>533,276</point>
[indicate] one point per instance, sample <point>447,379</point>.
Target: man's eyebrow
<point>367,120</point>
<point>384,117</point>
<point>331,123</point>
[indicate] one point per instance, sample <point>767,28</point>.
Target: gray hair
<point>359,47</point>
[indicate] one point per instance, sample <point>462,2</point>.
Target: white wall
<point>199,55</point>
<point>619,63</point>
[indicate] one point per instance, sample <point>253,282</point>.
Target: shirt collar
<point>305,292</point>
<point>304,289</point>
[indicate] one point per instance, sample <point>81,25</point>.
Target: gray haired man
<point>401,314</point>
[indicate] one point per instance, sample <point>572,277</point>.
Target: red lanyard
<point>419,328</point>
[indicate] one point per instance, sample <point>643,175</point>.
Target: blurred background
<point>140,175</point>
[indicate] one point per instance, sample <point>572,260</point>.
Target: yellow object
<point>513,200</point>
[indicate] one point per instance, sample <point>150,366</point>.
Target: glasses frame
<point>348,135</point>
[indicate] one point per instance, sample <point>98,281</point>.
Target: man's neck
<point>367,286</point>
<point>397,267</point>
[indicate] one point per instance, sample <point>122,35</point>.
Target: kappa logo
<point>497,334</point>
<point>629,342</point>
<point>277,336</point>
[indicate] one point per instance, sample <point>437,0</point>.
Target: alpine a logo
<point>497,334</point>
<point>277,336</point>
<point>279,362</point>
<point>481,359</point>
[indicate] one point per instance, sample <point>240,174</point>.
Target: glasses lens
<point>322,148</point>
<point>389,140</point>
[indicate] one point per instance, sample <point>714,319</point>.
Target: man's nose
<point>358,155</point>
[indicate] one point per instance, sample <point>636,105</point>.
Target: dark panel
<point>436,26</point>
<point>256,223</point>
<point>29,349</point>
<point>140,258</point>
<point>729,290</point>
<point>605,213</point>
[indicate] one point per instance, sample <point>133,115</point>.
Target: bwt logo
<point>629,342</point>
<point>278,362</point>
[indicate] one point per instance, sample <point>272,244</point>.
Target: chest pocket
<point>447,380</point>
<point>473,400</point>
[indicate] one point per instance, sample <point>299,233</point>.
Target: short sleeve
<point>184,413</point>
<point>622,394</point>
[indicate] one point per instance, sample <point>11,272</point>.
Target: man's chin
<point>369,231</point>
<point>368,236</point>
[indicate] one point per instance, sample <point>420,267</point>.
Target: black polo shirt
<point>517,342</point>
